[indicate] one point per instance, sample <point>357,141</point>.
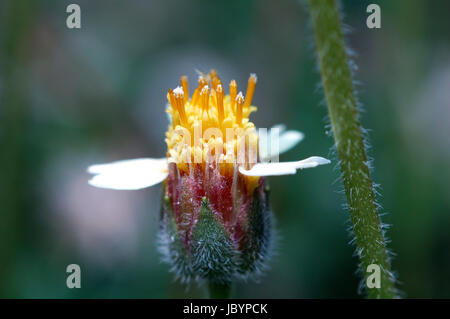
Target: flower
<point>215,221</point>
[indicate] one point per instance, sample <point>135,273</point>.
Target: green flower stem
<point>342,108</point>
<point>219,291</point>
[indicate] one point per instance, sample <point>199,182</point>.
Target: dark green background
<point>70,98</point>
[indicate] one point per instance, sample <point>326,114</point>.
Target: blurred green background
<point>70,98</point>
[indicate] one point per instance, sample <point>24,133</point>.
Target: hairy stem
<point>349,141</point>
<point>219,291</point>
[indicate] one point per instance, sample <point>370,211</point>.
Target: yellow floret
<point>211,127</point>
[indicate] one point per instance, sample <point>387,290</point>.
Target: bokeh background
<point>70,98</point>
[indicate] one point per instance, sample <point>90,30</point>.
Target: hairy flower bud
<point>214,226</point>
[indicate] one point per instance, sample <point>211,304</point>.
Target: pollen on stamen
<point>179,104</point>
<point>178,91</point>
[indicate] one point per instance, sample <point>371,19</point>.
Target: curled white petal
<point>284,168</point>
<point>129,174</point>
<point>269,149</point>
<point>289,139</point>
<point>311,162</point>
<point>269,169</point>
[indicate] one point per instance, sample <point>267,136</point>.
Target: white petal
<point>310,162</point>
<point>289,139</point>
<point>269,169</point>
<point>284,168</point>
<point>129,174</point>
<point>125,164</point>
<point>269,149</point>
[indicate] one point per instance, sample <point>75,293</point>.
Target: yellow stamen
<point>177,101</point>
<point>172,102</point>
<point>219,97</point>
<point>213,74</point>
<point>250,90</point>
<point>185,85</point>
<point>239,104</point>
<point>233,92</point>
<point>201,83</point>
<point>215,83</point>
<point>205,99</point>
<point>215,80</point>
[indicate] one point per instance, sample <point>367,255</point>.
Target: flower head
<point>215,221</point>
<point>211,129</point>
